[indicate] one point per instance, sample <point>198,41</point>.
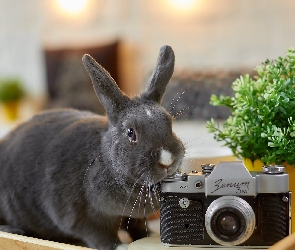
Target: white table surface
<point>154,243</point>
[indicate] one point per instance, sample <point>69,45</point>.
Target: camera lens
<point>229,220</point>
<point>228,223</point>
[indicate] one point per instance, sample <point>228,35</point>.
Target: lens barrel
<point>229,220</point>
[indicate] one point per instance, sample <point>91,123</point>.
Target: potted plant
<point>11,92</point>
<point>261,127</point>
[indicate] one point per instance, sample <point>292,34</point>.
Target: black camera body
<point>226,205</point>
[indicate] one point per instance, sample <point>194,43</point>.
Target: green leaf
<point>262,120</point>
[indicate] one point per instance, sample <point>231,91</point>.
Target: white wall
<point>213,35</point>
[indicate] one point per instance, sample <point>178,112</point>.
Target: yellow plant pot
<point>257,165</point>
<point>11,110</point>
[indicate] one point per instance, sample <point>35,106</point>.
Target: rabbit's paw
<point>10,229</point>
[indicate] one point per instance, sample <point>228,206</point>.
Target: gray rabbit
<point>76,177</point>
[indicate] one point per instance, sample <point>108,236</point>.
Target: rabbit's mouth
<point>155,165</point>
<point>162,171</point>
<point>167,161</point>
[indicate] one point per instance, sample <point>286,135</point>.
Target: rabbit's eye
<point>131,134</point>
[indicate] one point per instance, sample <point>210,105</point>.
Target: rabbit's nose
<point>164,166</point>
<point>166,158</point>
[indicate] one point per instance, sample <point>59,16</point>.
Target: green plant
<point>262,120</point>
<point>10,90</point>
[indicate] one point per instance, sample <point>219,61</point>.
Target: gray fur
<point>75,177</point>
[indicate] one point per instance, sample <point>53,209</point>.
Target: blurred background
<point>42,42</point>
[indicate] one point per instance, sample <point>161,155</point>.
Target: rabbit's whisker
<point>144,210</point>
<point>191,140</point>
<point>181,112</point>
<point>174,101</point>
<point>87,169</point>
<point>131,192</point>
<point>128,199</point>
<point>186,144</point>
<point>154,191</point>
<point>149,193</point>
<point>139,204</point>
<point>134,204</point>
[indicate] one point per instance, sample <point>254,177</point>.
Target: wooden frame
<point>17,242</point>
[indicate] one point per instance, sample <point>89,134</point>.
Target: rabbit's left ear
<point>161,75</point>
<point>105,88</point>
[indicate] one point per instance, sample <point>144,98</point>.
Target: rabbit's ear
<point>161,75</point>
<point>105,88</point>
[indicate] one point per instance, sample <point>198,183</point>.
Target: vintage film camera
<point>226,205</point>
